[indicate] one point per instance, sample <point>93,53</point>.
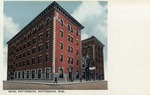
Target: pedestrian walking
<point>80,79</point>
<point>55,81</point>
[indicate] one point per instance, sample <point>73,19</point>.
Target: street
<point>98,85</point>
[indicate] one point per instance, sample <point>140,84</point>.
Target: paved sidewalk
<point>51,82</point>
<point>45,85</point>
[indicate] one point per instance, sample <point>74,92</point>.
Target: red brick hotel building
<point>92,59</point>
<point>49,46</point>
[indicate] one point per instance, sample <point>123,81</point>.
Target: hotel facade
<point>49,46</point>
<point>92,59</point>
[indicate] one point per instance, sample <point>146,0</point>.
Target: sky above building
<point>92,15</point>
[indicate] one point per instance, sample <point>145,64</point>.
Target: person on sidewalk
<point>55,81</point>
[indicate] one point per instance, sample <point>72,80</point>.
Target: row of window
<point>40,48</point>
<point>39,27</point>
<point>34,31</point>
<point>70,59</point>
<point>40,38</point>
<point>27,74</point>
<point>70,38</point>
<point>33,61</point>
<point>70,28</point>
<point>24,63</point>
<point>47,44</point>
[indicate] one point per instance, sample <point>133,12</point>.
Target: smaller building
<point>92,59</point>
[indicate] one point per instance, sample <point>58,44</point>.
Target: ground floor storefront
<point>45,74</point>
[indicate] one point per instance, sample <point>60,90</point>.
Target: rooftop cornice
<point>65,13</point>
<point>91,39</point>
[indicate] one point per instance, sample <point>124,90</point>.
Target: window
<point>27,74</point>
<point>33,74</point>
<point>61,45</point>
<point>20,56</point>
<point>18,74</point>
<point>77,42</point>
<point>68,48</point>
<point>77,62</point>
<point>40,59</point>
<point>60,73</point>
<point>33,31</point>
<point>77,74</point>
<point>28,52</point>
<point>61,22</point>
<point>33,50</point>
<point>29,34</point>
<point>16,64</point>
<point>77,52</point>
<point>24,38</point>
<point>98,54</point>
<point>16,57</point>
<point>61,58</point>
<point>19,64</point>
<point>77,33</point>
<point>61,34</point>
<point>23,74</point>
<point>40,48</point>
<point>83,65</point>
<point>28,62</point>
<point>47,73</point>
<point>40,37</point>
<point>47,33</point>
<point>20,47</point>
<point>40,26</point>
<point>15,74</point>
<point>34,41</point>
<point>68,27</point>
<point>33,60</point>
<point>71,39</point>
<point>69,59</point>
<point>99,48</point>
<point>20,40</point>
<point>47,58</point>
<point>23,63</point>
<point>24,54</point>
<point>29,43</point>
<point>16,49</point>
<point>24,45</point>
<point>71,50</point>
<point>71,29</point>
<point>47,21</point>
<point>68,37</point>
<point>39,74</point>
<point>47,45</point>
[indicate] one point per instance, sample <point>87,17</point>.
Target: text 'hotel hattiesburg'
<point>50,46</point>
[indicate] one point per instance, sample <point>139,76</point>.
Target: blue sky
<point>18,14</point>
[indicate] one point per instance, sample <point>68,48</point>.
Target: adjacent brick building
<point>92,59</point>
<point>49,46</point>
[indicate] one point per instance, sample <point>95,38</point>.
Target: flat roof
<point>91,39</point>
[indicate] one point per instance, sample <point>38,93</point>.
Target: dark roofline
<point>45,11</point>
<point>69,16</point>
<point>93,38</point>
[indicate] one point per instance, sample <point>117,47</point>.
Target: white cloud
<point>84,36</point>
<point>85,11</point>
<point>93,16</point>
<point>10,29</point>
